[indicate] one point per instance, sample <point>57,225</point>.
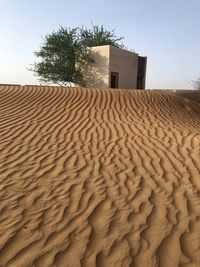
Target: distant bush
<point>196,84</point>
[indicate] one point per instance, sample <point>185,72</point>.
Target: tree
<point>60,55</point>
<point>196,84</point>
<point>64,54</point>
<point>99,36</point>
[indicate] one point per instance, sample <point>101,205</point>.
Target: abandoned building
<point>115,68</point>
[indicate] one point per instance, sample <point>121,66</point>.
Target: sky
<point>167,32</point>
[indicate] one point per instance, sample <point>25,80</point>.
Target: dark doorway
<point>142,62</point>
<point>114,80</point>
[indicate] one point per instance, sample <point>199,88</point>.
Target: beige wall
<point>126,64</point>
<point>109,59</point>
<point>97,74</point>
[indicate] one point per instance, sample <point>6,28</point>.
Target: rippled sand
<point>93,177</point>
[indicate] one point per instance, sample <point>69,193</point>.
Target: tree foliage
<point>59,56</point>
<point>99,36</point>
<point>64,54</point>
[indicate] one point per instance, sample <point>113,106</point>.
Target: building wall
<point>126,64</point>
<point>97,74</point>
<point>109,59</point>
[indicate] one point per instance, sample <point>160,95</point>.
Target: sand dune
<point>92,177</point>
<point>193,95</point>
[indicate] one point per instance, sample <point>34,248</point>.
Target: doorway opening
<point>142,62</point>
<point>114,80</point>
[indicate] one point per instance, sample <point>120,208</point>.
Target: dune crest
<point>93,177</point>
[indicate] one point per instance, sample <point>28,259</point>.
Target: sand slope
<point>98,178</point>
<point>193,95</point>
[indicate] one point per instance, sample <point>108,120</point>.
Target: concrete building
<point>115,68</point>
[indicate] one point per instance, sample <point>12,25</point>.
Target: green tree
<point>60,55</point>
<point>64,54</point>
<point>99,36</point>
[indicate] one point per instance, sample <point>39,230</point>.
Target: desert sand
<point>96,177</point>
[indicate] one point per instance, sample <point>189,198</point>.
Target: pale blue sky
<point>167,32</point>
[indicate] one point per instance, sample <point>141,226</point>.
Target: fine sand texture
<point>98,177</point>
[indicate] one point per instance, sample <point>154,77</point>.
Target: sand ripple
<point>98,178</point>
